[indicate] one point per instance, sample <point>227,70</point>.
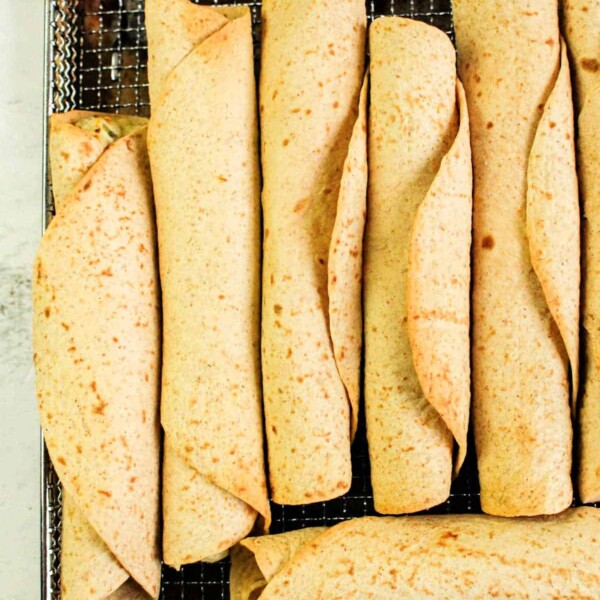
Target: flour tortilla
<point>257,560</point>
<point>97,353</point>
<point>417,267</point>
<point>581,28</point>
<point>203,145</point>
<point>589,411</point>
<point>449,556</point>
<point>526,253</point>
<point>313,162</point>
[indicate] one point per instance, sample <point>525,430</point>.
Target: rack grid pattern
<point>96,60</point>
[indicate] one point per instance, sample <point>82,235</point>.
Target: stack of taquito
<point>461,556</point>
<point>203,145</point>
<point>313,127</point>
<point>417,267</point>
<point>526,252</point>
<point>582,31</point>
<point>97,355</point>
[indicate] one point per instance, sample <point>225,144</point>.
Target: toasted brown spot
<point>189,448</point>
<point>289,353</point>
<point>47,311</point>
<point>98,409</point>
<point>65,326</point>
<point>278,308</point>
<point>107,272</point>
<point>336,104</point>
<point>488,242</point>
<point>105,493</point>
<point>79,449</point>
<point>222,178</point>
<point>590,64</point>
<point>490,125</point>
<point>552,124</point>
<point>143,416</point>
<point>88,185</point>
<point>286,142</point>
<point>550,42</point>
<point>61,460</point>
<point>71,349</point>
<point>341,485</point>
<point>301,205</point>
<point>132,479</point>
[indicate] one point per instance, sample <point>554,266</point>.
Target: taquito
<point>96,337</point>
<point>417,267</point>
<point>582,31</point>
<point>313,125</point>
<point>203,145</point>
<point>458,556</point>
<point>526,252</point>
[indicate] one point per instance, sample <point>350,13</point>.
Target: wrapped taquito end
<point>417,264</point>
<point>257,560</point>
<point>97,354</point>
<point>581,28</point>
<point>526,252</point>
<point>447,556</point>
<point>314,170</point>
<point>589,410</point>
<point>203,145</point>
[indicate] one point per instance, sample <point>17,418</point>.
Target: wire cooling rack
<point>96,60</point>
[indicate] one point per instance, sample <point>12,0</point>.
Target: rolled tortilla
<point>526,252</point>
<point>314,169</point>
<point>203,145</point>
<point>417,267</point>
<point>582,30</point>
<point>589,410</point>
<point>458,556</point>
<point>97,354</point>
<point>257,560</point>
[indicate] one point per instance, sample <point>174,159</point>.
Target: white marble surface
<point>21,109</point>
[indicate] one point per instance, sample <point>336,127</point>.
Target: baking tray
<point>96,60</point>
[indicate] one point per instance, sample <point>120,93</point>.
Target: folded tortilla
<point>526,252</point>
<point>255,561</point>
<point>203,145</point>
<point>581,25</point>
<point>581,28</point>
<point>97,354</point>
<point>313,120</point>
<point>458,556</point>
<point>417,267</point>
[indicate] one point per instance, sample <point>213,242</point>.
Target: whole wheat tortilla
<point>417,267</point>
<point>447,556</point>
<point>313,126</point>
<point>581,26</point>
<point>203,145</point>
<point>97,353</point>
<point>526,252</point>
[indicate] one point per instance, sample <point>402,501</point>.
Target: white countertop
<point>21,110</point>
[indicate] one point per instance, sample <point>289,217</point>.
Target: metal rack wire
<point>96,60</point>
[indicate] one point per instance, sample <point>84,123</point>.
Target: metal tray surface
<point>96,59</point>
